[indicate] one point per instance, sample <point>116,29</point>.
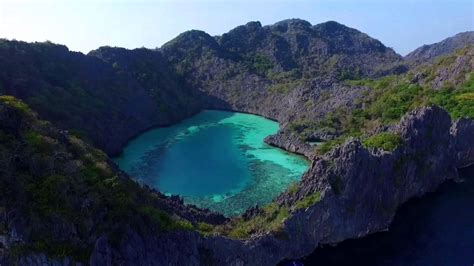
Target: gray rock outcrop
<point>361,190</point>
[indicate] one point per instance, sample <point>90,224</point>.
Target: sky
<point>86,25</point>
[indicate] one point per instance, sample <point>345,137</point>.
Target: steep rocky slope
<point>378,158</point>
<point>121,223</point>
<point>106,101</point>
<point>448,82</point>
<point>347,207</point>
<point>285,71</point>
<point>282,71</point>
<point>346,180</point>
<point>429,53</point>
<point>289,71</point>
<point>59,195</point>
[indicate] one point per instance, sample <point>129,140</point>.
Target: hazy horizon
<point>86,25</point>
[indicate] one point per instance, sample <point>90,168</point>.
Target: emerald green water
<point>215,159</point>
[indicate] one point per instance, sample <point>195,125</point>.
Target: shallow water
<point>215,160</point>
<point>437,229</point>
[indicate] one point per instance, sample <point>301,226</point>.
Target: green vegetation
<point>458,102</point>
<point>391,105</point>
<point>51,176</point>
<point>329,145</point>
<point>164,220</point>
<point>386,141</point>
<point>38,142</point>
<point>285,76</point>
<point>283,88</point>
<point>271,220</point>
<point>260,63</point>
<point>284,82</point>
<point>395,99</point>
<point>205,228</point>
<point>293,188</point>
<point>50,197</point>
<point>388,100</point>
<point>308,201</point>
<point>14,102</point>
<point>55,175</point>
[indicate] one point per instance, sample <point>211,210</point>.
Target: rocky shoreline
<point>121,94</point>
<point>290,142</point>
<point>361,191</point>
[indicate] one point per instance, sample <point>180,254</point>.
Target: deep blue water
<point>437,229</point>
<point>216,160</point>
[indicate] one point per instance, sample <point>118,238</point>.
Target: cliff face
<point>289,71</point>
<point>462,131</point>
<point>107,97</point>
<point>290,142</point>
<point>360,189</point>
<point>59,195</point>
<point>294,44</point>
<point>113,94</point>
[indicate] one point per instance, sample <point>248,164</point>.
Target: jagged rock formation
<point>290,71</point>
<point>59,195</point>
<point>428,53</point>
<point>447,71</point>
<point>327,48</point>
<point>462,131</point>
<point>287,71</point>
<point>361,190</point>
<point>347,179</point>
<point>105,101</point>
<point>290,142</point>
<point>112,94</point>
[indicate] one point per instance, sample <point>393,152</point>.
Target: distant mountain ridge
<point>326,48</point>
<point>428,53</point>
<point>385,137</point>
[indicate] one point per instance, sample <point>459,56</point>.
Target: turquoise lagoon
<point>215,159</point>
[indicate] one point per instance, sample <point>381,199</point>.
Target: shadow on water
<point>437,229</point>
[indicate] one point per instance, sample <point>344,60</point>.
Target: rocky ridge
<point>291,142</point>
<point>48,176</point>
<point>429,53</point>
<point>99,99</point>
<point>345,178</point>
<point>284,71</point>
<point>432,150</point>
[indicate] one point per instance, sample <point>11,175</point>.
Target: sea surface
<point>215,159</point>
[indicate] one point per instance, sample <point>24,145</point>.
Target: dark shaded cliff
<point>359,192</point>
<point>385,142</point>
<point>58,195</point>
<point>112,94</point>
<point>107,97</point>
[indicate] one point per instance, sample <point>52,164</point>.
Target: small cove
<point>215,159</point>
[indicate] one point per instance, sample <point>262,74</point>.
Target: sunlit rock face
<point>216,160</point>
